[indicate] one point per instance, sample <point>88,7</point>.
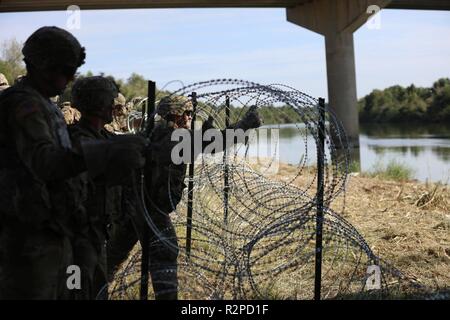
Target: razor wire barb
<point>266,248</point>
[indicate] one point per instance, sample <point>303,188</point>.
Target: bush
<point>394,170</point>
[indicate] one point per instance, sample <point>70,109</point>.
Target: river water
<point>423,148</point>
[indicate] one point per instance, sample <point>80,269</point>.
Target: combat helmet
<point>3,82</point>
<point>53,47</point>
<point>120,100</point>
<point>174,105</point>
<point>93,93</point>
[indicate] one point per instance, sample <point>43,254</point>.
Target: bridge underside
<point>45,5</point>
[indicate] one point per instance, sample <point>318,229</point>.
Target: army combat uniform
<point>44,228</point>
<point>71,115</point>
<point>159,170</point>
<point>41,196</point>
<point>95,97</point>
<point>120,116</point>
<point>102,204</point>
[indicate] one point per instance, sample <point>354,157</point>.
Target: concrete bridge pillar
<point>336,20</point>
<point>341,79</point>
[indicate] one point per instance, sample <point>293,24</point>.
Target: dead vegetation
<point>407,223</point>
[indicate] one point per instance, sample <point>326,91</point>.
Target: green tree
<point>11,60</point>
<point>440,106</point>
<point>398,104</point>
<point>136,85</point>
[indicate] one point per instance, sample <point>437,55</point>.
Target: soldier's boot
<point>165,282</point>
<point>163,260</point>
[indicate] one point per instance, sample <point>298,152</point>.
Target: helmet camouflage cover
<point>3,80</point>
<point>176,105</point>
<point>120,100</point>
<point>136,100</point>
<point>93,93</point>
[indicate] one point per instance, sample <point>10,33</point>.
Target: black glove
<point>250,120</point>
<point>115,158</point>
<point>208,124</point>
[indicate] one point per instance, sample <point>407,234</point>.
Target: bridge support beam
<point>336,20</point>
<point>341,79</point>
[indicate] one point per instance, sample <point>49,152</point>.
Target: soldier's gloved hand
<point>115,158</point>
<point>208,124</point>
<point>125,155</point>
<point>250,120</point>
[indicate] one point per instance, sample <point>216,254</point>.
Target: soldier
<point>3,82</point>
<point>96,98</point>
<point>120,114</point>
<point>42,192</point>
<point>165,185</point>
<point>71,115</point>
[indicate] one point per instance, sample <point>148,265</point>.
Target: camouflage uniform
<point>101,203</point>
<point>41,197</point>
<point>40,202</point>
<point>104,202</point>
<point>3,82</point>
<point>163,260</point>
<point>42,216</point>
<point>164,182</point>
<point>71,115</point>
<point>120,116</point>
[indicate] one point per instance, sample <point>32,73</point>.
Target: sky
<point>259,45</point>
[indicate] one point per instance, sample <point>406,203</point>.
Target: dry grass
<point>405,222</point>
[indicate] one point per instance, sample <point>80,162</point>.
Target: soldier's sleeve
<point>36,146</point>
<point>230,137</point>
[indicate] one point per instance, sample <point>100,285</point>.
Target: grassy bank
<point>393,170</point>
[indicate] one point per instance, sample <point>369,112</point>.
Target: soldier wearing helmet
<point>165,185</point>
<point>120,100</point>
<point>41,172</point>
<point>95,98</point>
<point>119,117</point>
<point>71,115</point>
<point>177,111</point>
<point>3,82</point>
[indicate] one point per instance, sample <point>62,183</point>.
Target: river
<point>423,148</point>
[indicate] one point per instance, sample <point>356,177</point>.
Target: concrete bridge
<point>336,20</point>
